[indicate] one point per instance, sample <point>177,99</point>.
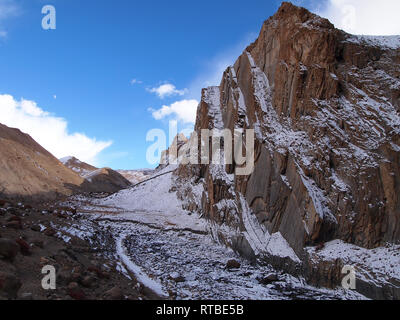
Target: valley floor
<point>176,258</point>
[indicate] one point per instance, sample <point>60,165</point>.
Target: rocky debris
<point>14,224</point>
<point>8,249</point>
<point>114,293</point>
<point>268,279</point>
<point>26,296</point>
<point>24,246</point>
<point>101,274</point>
<point>36,228</point>
<point>88,281</point>
<point>80,271</point>
<point>75,291</point>
<point>177,277</point>
<point>9,285</point>
<point>50,232</point>
<point>38,243</point>
<point>233,264</point>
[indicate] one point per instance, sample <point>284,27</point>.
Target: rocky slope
<point>29,171</point>
<point>325,107</point>
<point>49,234</point>
<point>136,176</point>
<point>106,180</point>
<point>97,180</point>
<point>80,167</point>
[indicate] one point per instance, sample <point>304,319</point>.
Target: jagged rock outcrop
<point>325,107</point>
<point>29,171</point>
<point>171,155</point>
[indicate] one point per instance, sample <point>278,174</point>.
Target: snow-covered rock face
<point>325,108</point>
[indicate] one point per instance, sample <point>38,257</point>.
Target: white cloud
<point>184,110</point>
<point>367,17</point>
<point>167,90</point>
<point>49,131</point>
<point>8,9</point>
<point>212,71</point>
<point>136,81</point>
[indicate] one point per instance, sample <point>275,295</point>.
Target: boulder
<point>233,264</point>
<point>114,293</point>
<point>8,249</point>
<point>9,285</point>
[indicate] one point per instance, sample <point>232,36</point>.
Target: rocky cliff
<point>325,107</point>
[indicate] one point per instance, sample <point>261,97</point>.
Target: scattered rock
<point>232,264</point>
<point>177,277</point>
<point>268,279</point>
<point>36,228</point>
<point>114,294</point>
<point>64,277</point>
<point>26,296</point>
<point>75,292</point>
<point>88,281</point>
<point>14,225</point>
<point>8,249</point>
<point>100,273</point>
<point>9,285</point>
<point>38,243</point>
<point>24,247</point>
<point>50,232</point>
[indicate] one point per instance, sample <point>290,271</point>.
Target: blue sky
<point>101,69</point>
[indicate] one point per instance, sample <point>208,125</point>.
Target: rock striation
<point>325,107</point>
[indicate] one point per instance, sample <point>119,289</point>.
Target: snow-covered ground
<point>146,231</point>
<point>391,42</point>
<point>153,203</point>
<point>376,265</point>
<point>182,264</point>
